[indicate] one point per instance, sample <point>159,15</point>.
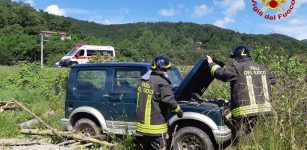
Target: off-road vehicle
<point>101,98</point>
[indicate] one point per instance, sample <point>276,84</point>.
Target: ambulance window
<point>80,53</point>
<point>71,52</point>
<point>105,52</point>
<point>91,52</point>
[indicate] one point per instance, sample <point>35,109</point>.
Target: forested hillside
<point>20,25</point>
<point>211,36</point>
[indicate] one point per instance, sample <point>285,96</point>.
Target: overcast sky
<point>237,15</point>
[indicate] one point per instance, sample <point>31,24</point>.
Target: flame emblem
<point>273,4</point>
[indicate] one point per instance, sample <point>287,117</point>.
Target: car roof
<point>113,64</point>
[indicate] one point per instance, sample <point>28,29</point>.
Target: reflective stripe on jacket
<point>154,98</point>
<point>250,84</point>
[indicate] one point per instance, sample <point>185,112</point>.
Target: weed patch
<point>40,89</point>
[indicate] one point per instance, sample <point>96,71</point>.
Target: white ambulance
<point>82,53</point>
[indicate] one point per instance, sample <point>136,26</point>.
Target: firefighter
<point>250,84</point>
<point>154,99</point>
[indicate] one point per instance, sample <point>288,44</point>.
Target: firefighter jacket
<point>250,84</point>
<point>154,99</point>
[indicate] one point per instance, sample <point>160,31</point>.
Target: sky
<point>237,15</point>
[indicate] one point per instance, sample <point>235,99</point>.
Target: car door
<point>90,89</point>
<point>122,102</point>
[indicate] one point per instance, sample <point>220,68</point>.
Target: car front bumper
<point>64,62</point>
<point>65,123</point>
<point>222,134</point>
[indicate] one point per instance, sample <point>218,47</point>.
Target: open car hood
<point>196,82</point>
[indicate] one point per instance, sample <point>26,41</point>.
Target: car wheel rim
<point>87,131</point>
<point>190,142</point>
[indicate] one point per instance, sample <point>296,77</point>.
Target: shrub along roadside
<point>40,89</point>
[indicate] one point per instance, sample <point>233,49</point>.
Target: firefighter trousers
<point>151,142</point>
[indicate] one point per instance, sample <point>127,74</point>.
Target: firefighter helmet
<point>240,52</point>
<point>161,63</point>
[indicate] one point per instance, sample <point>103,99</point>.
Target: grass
<point>6,71</point>
<point>37,99</point>
<point>9,123</point>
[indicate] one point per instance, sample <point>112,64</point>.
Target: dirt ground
<point>26,144</point>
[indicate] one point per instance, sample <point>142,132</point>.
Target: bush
<point>40,89</point>
<point>286,127</point>
<point>45,80</point>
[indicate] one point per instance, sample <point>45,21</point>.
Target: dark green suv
<point>101,98</point>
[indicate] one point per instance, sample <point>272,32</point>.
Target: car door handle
<point>106,95</point>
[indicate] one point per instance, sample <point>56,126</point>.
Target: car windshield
<point>174,77</point>
<point>71,52</point>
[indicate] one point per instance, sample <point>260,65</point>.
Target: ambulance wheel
<point>73,63</point>
<point>192,138</point>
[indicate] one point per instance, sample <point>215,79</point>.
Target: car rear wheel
<point>192,138</point>
<point>86,127</point>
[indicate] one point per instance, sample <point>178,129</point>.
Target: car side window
<point>126,81</point>
<point>91,80</point>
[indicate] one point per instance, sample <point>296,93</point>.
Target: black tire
<point>86,127</point>
<point>192,138</point>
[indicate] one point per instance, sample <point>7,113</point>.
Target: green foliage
<point>6,71</point>
<point>15,48</point>
<point>39,89</point>
<point>283,62</point>
<point>9,123</point>
<point>34,77</point>
<point>218,89</point>
<point>126,143</point>
<point>20,25</point>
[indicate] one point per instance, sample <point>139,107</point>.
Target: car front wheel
<point>191,138</point>
<point>86,127</point>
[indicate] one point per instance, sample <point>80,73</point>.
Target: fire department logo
<point>268,8</point>
<point>273,4</point>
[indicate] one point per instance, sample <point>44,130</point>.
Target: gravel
<point>24,144</point>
